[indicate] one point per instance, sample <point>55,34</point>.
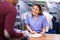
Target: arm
<point>28,27</point>
<point>9,23</point>
<point>43,31</point>
<point>30,30</point>
<point>45,24</point>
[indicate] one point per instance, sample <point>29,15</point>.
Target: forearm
<point>13,34</point>
<point>28,28</point>
<point>44,30</point>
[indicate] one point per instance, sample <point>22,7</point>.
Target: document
<point>35,35</point>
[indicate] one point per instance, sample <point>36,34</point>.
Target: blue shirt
<point>36,25</point>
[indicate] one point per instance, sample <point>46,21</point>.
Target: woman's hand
<point>33,32</point>
<point>43,33</point>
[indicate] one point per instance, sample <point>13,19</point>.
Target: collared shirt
<point>36,25</point>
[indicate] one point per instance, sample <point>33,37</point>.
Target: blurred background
<point>51,9</point>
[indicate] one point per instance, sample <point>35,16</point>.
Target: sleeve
<point>45,23</point>
<point>10,21</point>
<point>27,20</point>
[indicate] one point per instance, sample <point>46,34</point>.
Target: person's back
<point>7,20</point>
<point>2,19</point>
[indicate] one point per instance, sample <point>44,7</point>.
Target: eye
<point>35,9</point>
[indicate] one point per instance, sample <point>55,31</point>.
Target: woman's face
<point>35,10</point>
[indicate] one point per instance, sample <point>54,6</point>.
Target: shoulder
<point>43,17</point>
<point>8,6</point>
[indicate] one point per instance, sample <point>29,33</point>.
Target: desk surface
<point>47,37</point>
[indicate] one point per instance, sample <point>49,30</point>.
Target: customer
<point>7,18</point>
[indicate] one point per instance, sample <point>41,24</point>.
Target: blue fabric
<point>36,25</point>
<point>51,32</point>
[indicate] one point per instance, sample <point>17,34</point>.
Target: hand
<point>33,32</point>
<point>23,37</point>
<point>23,34</point>
<point>43,33</point>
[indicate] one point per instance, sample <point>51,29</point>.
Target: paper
<point>35,35</point>
<point>57,37</point>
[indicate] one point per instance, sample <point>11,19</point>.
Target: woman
<point>36,22</point>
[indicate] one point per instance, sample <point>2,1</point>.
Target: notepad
<point>35,35</point>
